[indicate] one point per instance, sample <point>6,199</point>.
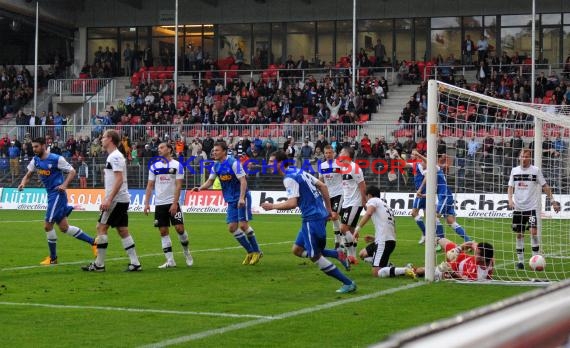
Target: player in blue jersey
<point>50,168</point>
<point>232,177</point>
<point>445,205</point>
<point>418,167</point>
<point>312,197</point>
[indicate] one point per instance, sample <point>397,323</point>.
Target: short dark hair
<point>281,156</point>
<point>486,251</point>
<point>350,151</point>
<point>39,140</point>
<point>373,191</point>
<point>222,144</point>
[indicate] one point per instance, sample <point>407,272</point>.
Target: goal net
<point>475,140</point>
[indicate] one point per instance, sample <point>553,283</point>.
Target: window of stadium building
<point>566,38</point>
<point>446,39</point>
<point>344,39</point>
<point>421,33</point>
<point>98,41</point>
<point>403,39</point>
<point>301,40</point>
<point>325,35</point>
<point>235,41</point>
<point>372,30</point>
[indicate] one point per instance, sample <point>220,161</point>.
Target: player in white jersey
<point>115,206</point>
<point>384,236</point>
<point>329,174</point>
<point>353,199</point>
<point>525,183</point>
<point>165,176</point>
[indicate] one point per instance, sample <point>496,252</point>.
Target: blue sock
<point>330,253</point>
<point>52,243</point>
<point>421,225</point>
<point>76,232</point>
<point>252,240</point>
<point>242,240</point>
<point>330,269</point>
<point>439,230</point>
<point>460,231</point>
<point>52,249</point>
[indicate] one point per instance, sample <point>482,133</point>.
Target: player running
<point>312,197</point>
<point>50,168</point>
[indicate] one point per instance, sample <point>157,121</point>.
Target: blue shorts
<point>57,208</point>
<point>445,206</point>
<point>235,214</point>
<point>313,237</point>
<point>419,203</point>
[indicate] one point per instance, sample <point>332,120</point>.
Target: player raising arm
<point>50,168</point>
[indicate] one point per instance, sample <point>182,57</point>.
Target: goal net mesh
<point>480,139</point>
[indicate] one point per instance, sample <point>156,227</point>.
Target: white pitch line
<point>42,220</point>
<point>135,310</point>
<point>308,310</point>
<point>125,257</point>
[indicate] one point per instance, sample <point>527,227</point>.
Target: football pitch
<point>283,301</point>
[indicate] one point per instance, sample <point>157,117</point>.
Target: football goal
<point>474,142</point>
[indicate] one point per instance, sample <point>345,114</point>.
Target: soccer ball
<point>537,263</point>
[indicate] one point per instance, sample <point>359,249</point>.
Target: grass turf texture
<point>276,302</point>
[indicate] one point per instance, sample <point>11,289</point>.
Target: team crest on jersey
<point>49,166</point>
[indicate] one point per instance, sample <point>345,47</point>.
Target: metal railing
<point>439,71</point>
<point>273,74</point>
<point>80,87</point>
<point>482,172</point>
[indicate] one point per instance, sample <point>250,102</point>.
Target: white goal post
<point>479,130</point>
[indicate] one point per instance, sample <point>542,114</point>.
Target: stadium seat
<point>135,120</point>
<point>481,133</point>
<point>364,118</point>
<point>529,133</point>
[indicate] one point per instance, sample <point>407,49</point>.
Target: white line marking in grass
<point>126,258</point>
<point>136,310</point>
<point>308,310</point>
<point>42,220</point>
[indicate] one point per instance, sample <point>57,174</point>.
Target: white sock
<point>535,244</point>
<point>520,249</point>
<point>336,225</point>
<point>167,248</point>
<point>102,242</point>
<point>350,249</point>
<point>129,246</point>
<point>184,242</point>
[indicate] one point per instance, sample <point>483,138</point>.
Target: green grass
<point>283,290</point>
